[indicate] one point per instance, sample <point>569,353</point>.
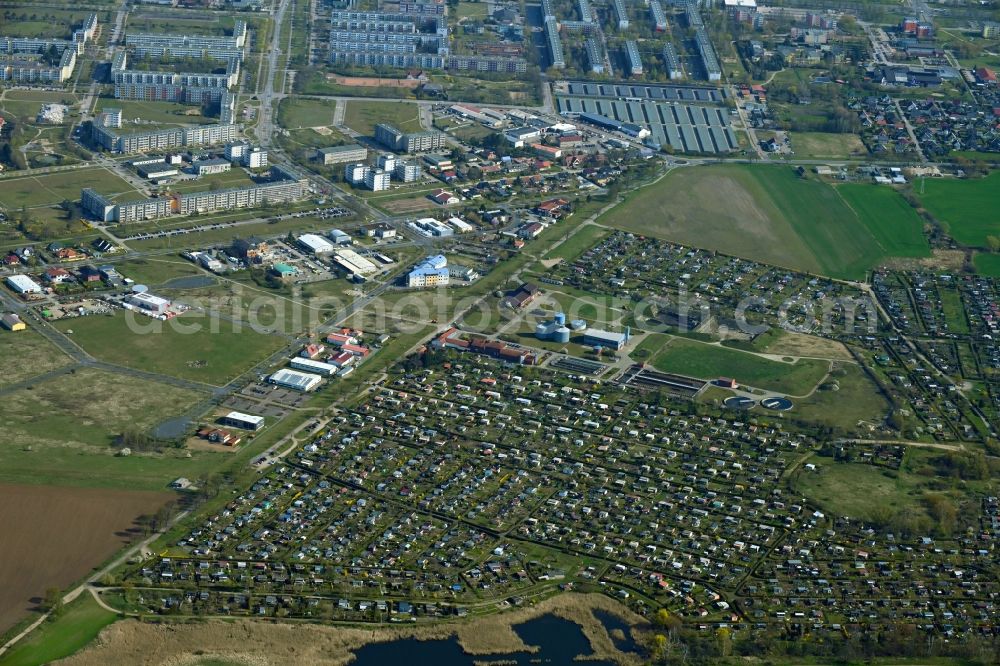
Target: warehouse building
<point>314,244</point>
<point>607,339</point>
<point>148,302</point>
<point>309,365</point>
<point>12,322</point>
<point>22,284</point>
<point>242,421</point>
<point>354,263</point>
<point>295,380</point>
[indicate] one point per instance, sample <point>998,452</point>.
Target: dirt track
<point>54,536</point>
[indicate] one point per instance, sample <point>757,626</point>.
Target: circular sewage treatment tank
<point>739,402</point>
<point>777,404</point>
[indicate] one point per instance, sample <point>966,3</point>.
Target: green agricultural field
<point>163,113</point>
<point>203,356</point>
<point>363,116</point>
<point>765,213</point>
<point>706,361</point>
<point>987,264</point>
<point>823,145</point>
<point>52,189</point>
<point>24,354</point>
<point>966,207</point>
<point>294,113</point>
<point>77,625</point>
<point>894,223</point>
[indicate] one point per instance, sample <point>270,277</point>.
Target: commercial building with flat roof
<point>314,243</point>
<point>352,152</point>
<point>242,421</point>
<point>354,263</point>
<point>309,365</point>
<point>23,284</point>
<point>295,380</point>
<point>609,339</point>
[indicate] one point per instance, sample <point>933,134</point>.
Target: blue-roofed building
<point>431,272</point>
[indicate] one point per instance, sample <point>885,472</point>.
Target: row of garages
<point>683,127</point>
<point>664,93</point>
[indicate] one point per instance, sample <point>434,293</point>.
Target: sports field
<point>52,189</point>
<point>83,527</point>
<point>204,356</point>
<point>768,214</point>
<point>705,361</point>
<point>968,208</point>
<point>363,116</point>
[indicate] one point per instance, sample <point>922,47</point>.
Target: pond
<point>559,641</point>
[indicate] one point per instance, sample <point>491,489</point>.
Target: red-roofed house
<point>343,359</point>
<point>341,339</point>
<point>357,350</point>
<point>312,351</point>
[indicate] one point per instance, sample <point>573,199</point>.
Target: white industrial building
<point>295,380</point>
<point>23,284</point>
<point>242,421</point>
<point>339,237</point>
<point>352,262</point>
<point>149,302</point>
<point>315,244</point>
<point>461,226</point>
<point>309,365</point>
